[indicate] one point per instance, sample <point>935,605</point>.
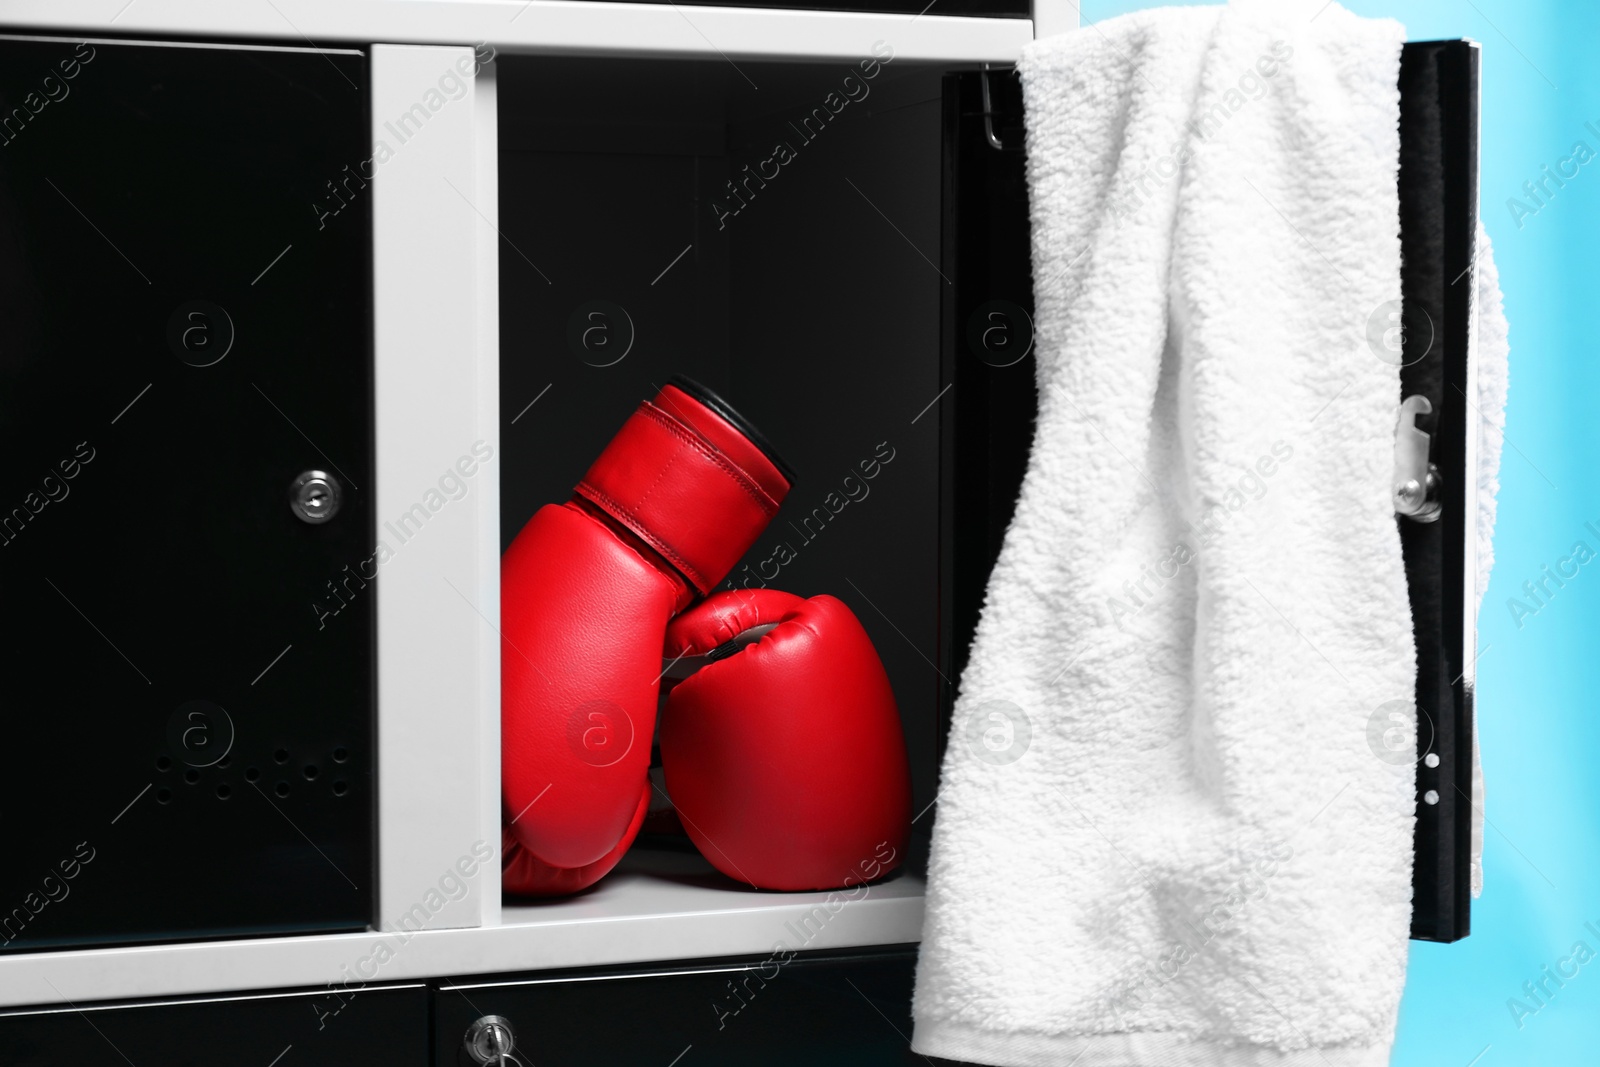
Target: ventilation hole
<point>283,789</point>
<point>340,754</point>
<point>310,772</point>
<point>224,761</point>
<point>164,796</point>
<point>163,763</point>
<point>251,774</point>
<point>223,792</point>
<point>340,789</point>
<point>191,776</point>
<point>281,756</point>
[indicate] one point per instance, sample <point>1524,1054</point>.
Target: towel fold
<point>1171,827</point>
<point>1491,353</point>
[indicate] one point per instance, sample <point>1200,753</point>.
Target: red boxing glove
<point>783,753</point>
<point>586,590</point>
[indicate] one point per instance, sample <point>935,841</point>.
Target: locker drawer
<point>782,1009</point>
<point>387,1026</point>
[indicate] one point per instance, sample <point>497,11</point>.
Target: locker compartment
<point>773,232</point>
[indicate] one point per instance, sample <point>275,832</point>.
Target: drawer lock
<point>489,1042</point>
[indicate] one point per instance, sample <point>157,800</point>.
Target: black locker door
<point>1438,235</point>
<point>184,309</point>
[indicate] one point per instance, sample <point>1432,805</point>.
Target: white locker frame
<point>436,394</point>
<point>436,391</point>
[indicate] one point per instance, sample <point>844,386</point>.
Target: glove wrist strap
<point>673,488</point>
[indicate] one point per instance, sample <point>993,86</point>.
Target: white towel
<point>1491,350</point>
<point>1167,833</point>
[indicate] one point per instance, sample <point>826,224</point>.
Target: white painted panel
<point>544,26</point>
<point>487,241</point>
<point>666,907</point>
<point>438,481</point>
<point>1051,17</point>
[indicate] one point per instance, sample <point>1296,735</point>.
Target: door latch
<point>1416,481</point>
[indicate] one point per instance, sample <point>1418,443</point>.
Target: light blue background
<point>1538,685</point>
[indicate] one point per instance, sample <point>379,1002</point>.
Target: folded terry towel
<point>1163,834</point>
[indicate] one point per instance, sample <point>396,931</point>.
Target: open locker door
<point>1438,245</point>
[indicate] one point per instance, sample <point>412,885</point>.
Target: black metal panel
<point>986,337</point>
<point>782,1010</point>
<point>1438,231</point>
<point>319,1028</point>
<point>184,328</point>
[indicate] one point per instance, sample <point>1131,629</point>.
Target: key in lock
<point>489,1041</point>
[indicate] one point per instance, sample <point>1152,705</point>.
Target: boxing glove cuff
<point>687,483</point>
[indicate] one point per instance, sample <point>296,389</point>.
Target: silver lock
<point>315,497</point>
<point>489,1041</point>
<point>1420,501</point>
